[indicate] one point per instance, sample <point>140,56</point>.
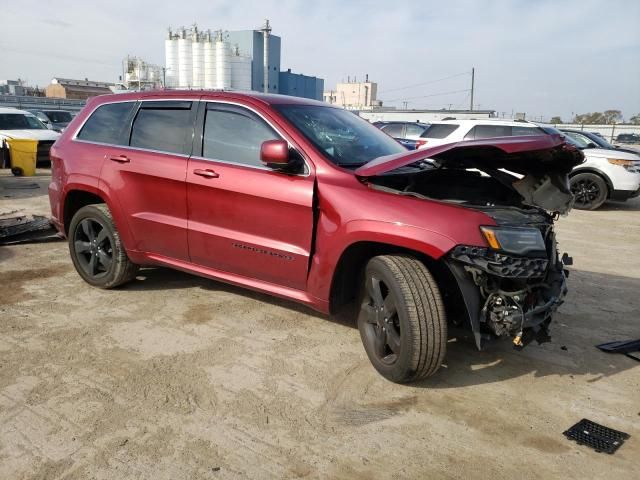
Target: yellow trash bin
<point>23,154</point>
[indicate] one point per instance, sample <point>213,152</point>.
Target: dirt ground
<point>178,377</point>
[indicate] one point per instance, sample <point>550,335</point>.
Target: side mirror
<point>275,154</point>
<point>591,145</point>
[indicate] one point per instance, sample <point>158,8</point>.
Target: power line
<point>428,96</point>
<point>425,83</point>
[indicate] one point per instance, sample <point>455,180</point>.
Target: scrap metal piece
<point>26,228</point>
<point>625,347</point>
<point>596,436</point>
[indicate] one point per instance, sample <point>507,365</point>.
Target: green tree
<point>555,120</point>
<point>635,120</point>
<point>612,116</point>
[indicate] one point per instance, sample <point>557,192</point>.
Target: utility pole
<point>266,30</point>
<point>473,77</point>
<point>404,105</point>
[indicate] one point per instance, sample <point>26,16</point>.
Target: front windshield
<point>19,121</point>
<point>58,116</point>
<point>344,138</point>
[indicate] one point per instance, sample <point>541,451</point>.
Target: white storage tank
<point>197,48</point>
<point>223,63</point>
<point>209,53</point>
<point>185,61</point>
<point>171,60</point>
<point>240,72</point>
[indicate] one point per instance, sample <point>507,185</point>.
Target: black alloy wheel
<point>402,320</point>
<point>382,331</point>
<point>93,248</point>
<point>589,190</point>
<point>96,249</point>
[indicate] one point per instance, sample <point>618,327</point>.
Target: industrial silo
<point>223,63</point>
<point>185,60</point>
<point>240,71</point>
<point>209,54</point>
<point>171,60</point>
<point>197,48</point>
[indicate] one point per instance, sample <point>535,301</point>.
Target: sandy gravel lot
<point>178,377</point>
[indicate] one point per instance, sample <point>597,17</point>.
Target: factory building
<point>77,89</point>
<point>354,95</point>
<point>237,60</point>
<point>299,85</point>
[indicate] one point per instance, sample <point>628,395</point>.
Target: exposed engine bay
<point>513,287</point>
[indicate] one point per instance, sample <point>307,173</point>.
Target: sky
<point>542,57</point>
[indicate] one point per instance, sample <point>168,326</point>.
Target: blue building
<point>300,85</point>
<point>251,43</point>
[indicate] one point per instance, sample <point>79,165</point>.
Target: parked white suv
<point>16,123</point>
<point>605,174</point>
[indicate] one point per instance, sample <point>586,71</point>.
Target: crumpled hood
<point>542,163</point>
<point>35,134</point>
<point>519,154</point>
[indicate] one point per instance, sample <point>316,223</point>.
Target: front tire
<point>402,320</point>
<point>589,190</point>
<point>96,249</point>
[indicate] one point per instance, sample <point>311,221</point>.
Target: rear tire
<point>17,171</point>
<point>402,320</point>
<point>589,190</point>
<point>96,249</point>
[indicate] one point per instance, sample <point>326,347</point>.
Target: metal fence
<point>610,132</point>
<point>36,103</point>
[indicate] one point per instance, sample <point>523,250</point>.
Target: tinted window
<point>518,131</point>
<point>488,131</point>
<point>163,126</point>
<point>235,135</point>
<point>394,130</point>
<point>440,130</point>
<point>19,121</point>
<point>107,124</point>
<point>413,130</point>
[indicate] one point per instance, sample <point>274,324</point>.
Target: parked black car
<point>598,141</point>
<point>628,138</point>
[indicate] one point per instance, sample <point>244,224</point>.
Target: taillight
<point>420,143</point>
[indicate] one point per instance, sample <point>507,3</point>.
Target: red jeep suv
<point>311,203</point>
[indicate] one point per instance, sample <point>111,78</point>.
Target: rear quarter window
<point>107,124</point>
<point>440,130</point>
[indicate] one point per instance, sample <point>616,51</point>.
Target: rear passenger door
<point>147,176</point>
<point>245,218</point>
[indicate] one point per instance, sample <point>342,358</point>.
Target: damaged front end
<point>509,295</point>
<point>512,286</point>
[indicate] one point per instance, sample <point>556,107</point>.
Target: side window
<point>107,124</point>
<point>393,130</point>
<point>163,126</point>
<point>471,134</point>
<point>413,130</point>
<point>440,130</point>
<point>517,131</point>
<point>490,131</point>
<point>233,134</point>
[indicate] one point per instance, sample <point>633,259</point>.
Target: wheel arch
<point>597,172</point>
<point>74,200</point>
<point>348,272</point>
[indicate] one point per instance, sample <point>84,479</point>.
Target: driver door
<point>245,218</point>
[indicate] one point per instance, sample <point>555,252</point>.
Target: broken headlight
<point>520,241</point>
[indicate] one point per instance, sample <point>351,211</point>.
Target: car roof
<point>265,98</point>
<point>486,121</point>
<point>14,110</point>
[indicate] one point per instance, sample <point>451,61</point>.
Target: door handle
<point>206,173</point>
<point>120,159</point>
